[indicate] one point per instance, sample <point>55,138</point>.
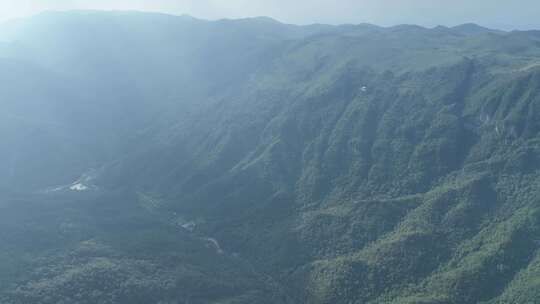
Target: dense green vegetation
<point>248,161</point>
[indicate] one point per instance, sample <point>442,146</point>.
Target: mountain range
<point>150,158</point>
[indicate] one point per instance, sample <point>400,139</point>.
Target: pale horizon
<point>425,13</point>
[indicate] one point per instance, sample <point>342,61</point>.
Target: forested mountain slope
<point>268,163</point>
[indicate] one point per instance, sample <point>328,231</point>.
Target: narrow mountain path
<point>214,243</point>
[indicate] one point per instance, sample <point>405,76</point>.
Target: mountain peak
<point>259,20</point>
<point>472,29</point>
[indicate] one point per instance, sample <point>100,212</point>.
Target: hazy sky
<point>508,14</point>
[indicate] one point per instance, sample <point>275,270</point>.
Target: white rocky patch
<point>81,184</point>
<point>189,226</point>
<point>78,187</point>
